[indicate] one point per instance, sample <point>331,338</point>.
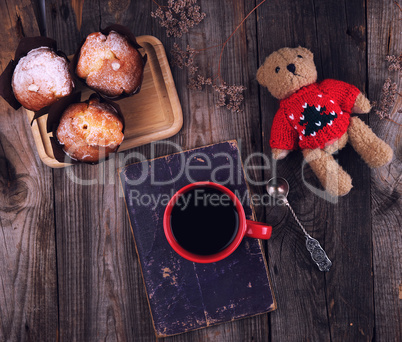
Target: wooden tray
<point>152,114</point>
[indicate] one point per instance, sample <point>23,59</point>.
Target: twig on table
<point>227,40</point>
<point>399,6</point>
<point>393,121</point>
<point>158,4</point>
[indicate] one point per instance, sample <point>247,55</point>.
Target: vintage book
<point>183,295</point>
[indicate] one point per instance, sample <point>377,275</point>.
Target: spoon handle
<point>295,217</point>
<point>313,246</point>
<point>318,254</point>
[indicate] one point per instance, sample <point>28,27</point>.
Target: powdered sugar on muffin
<point>109,64</point>
<point>90,131</point>
<point>41,78</point>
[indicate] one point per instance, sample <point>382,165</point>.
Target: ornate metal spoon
<point>278,187</point>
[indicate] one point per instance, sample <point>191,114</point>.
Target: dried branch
<point>227,40</point>
<point>399,6</point>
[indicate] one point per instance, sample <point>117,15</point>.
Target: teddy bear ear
<point>306,51</point>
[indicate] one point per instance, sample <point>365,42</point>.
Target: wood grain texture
<point>384,27</point>
<point>350,285</point>
<point>100,294</point>
<point>28,290</point>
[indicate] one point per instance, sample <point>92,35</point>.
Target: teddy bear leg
<point>333,178</point>
<point>374,151</point>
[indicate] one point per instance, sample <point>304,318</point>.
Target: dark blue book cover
<point>183,295</point>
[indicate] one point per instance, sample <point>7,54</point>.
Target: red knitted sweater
<point>315,116</point>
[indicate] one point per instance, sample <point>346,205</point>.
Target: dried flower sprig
<point>197,82</point>
<point>387,99</point>
<point>185,58</point>
<point>229,96</point>
<point>389,89</point>
<point>395,63</point>
<point>178,16</point>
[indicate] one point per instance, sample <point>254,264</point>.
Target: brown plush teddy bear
<point>315,117</point>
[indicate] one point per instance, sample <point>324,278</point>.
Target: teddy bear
<point>316,117</point>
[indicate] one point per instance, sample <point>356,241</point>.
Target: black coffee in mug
<point>204,221</point>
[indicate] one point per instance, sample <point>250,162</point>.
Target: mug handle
<point>258,230</point>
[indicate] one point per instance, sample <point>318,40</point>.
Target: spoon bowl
<point>278,187</point>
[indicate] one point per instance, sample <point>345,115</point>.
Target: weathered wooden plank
<point>384,21</point>
<point>312,305</point>
<point>28,295</point>
<point>350,283</point>
<point>100,287</point>
<point>298,285</point>
<point>62,24</point>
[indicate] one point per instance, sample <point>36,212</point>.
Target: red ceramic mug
<point>205,222</point>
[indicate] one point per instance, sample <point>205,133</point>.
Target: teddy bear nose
<point>291,68</point>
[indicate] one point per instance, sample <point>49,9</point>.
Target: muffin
<point>90,131</point>
<point>41,78</point>
<point>110,65</point>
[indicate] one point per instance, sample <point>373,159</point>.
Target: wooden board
<point>386,186</point>
<point>28,273</point>
<point>183,295</point>
<point>152,114</point>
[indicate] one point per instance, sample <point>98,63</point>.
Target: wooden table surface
<point>68,265</point>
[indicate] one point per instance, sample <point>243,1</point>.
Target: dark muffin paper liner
<point>55,113</point>
<point>25,45</point>
<point>124,31</point>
